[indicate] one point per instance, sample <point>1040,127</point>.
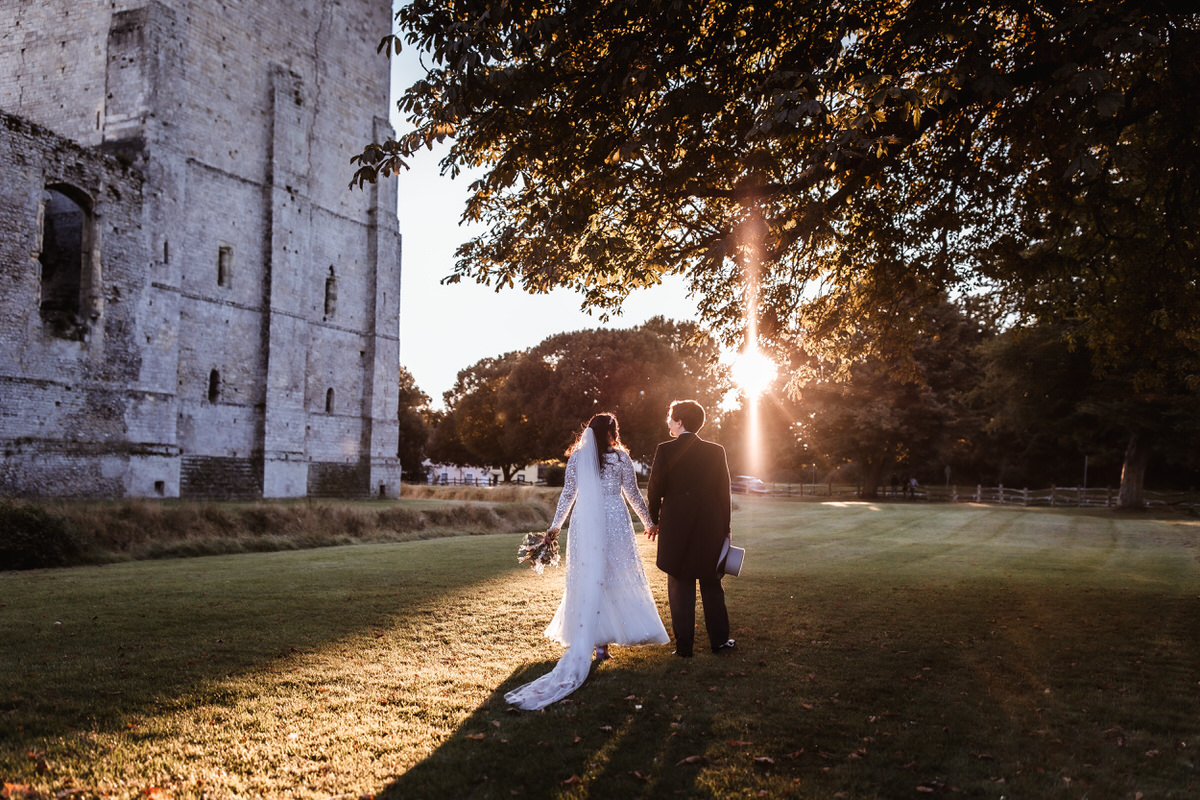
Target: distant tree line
<point>969,404</point>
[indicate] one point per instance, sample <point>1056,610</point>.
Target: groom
<point>689,504</point>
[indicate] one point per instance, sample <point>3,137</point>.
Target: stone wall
<point>73,417</point>
<point>237,121</point>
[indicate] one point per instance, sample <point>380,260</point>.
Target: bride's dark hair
<point>604,427</point>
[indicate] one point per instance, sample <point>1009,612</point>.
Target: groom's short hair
<point>690,413</point>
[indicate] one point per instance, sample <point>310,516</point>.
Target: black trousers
<point>681,596</point>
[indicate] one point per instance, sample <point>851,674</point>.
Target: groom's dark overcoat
<point>689,501</point>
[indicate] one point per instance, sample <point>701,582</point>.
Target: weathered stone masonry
<point>232,329</point>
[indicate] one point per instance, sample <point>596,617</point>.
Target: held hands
<point>551,534</point>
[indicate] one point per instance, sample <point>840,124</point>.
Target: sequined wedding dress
<point>607,597</point>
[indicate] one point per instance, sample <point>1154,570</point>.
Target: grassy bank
<point>884,651</point>
<point>101,532</point>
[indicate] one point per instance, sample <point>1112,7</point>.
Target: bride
<point>607,599</point>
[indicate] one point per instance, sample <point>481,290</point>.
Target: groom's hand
<point>651,532</point>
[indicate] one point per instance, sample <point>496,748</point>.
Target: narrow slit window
<point>329,401</point>
<point>224,266</point>
<point>330,295</point>
<point>214,386</point>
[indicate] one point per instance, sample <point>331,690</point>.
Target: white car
<point>747,484</point>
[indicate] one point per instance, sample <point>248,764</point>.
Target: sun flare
<point>753,372</point>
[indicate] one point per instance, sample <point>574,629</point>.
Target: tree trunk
<point>1133,473</point>
<point>872,473</point>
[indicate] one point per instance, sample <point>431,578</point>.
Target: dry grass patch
<point>141,529</point>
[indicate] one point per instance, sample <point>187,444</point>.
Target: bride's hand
<point>551,533</point>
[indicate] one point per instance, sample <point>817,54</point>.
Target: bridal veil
<point>580,604</point>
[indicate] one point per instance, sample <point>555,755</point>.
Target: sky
<point>447,328</point>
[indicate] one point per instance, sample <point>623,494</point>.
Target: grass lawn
<point>884,651</point>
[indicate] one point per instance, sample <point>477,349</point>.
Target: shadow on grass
<point>94,649</point>
<point>611,738</point>
<point>864,691</point>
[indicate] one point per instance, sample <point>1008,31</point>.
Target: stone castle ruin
<point>193,303</point>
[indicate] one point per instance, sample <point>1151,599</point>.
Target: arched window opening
<point>330,295</point>
<point>329,401</point>
<point>65,259</point>
<point>214,386</point>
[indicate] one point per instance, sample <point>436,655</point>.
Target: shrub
<point>555,475</point>
<point>31,537</point>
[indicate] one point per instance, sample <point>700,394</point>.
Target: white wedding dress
<point>607,598</point>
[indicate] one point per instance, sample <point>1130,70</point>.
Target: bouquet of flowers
<point>539,549</point>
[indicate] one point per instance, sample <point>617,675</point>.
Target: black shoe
<point>726,647</point>
<point>682,653</point>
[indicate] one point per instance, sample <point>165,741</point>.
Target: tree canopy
<point>415,427</point>
<point>839,165</point>
<point>884,418</point>
<point>864,145</point>
<point>528,406</point>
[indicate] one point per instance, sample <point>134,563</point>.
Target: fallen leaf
<point>739,743</point>
<point>476,736</point>
<point>571,780</point>
<point>640,776</point>
<point>764,760</point>
<point>17,790</point>
<point>693,760</point>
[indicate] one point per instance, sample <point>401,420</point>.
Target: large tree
<point>1048,407</point>
<point>476,430</point>
<point>886,414</point>
<point>828,164</point>
<point>635,373</point>
<point>529,405</point>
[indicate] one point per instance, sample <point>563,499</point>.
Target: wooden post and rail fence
<point>1055,496</point>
